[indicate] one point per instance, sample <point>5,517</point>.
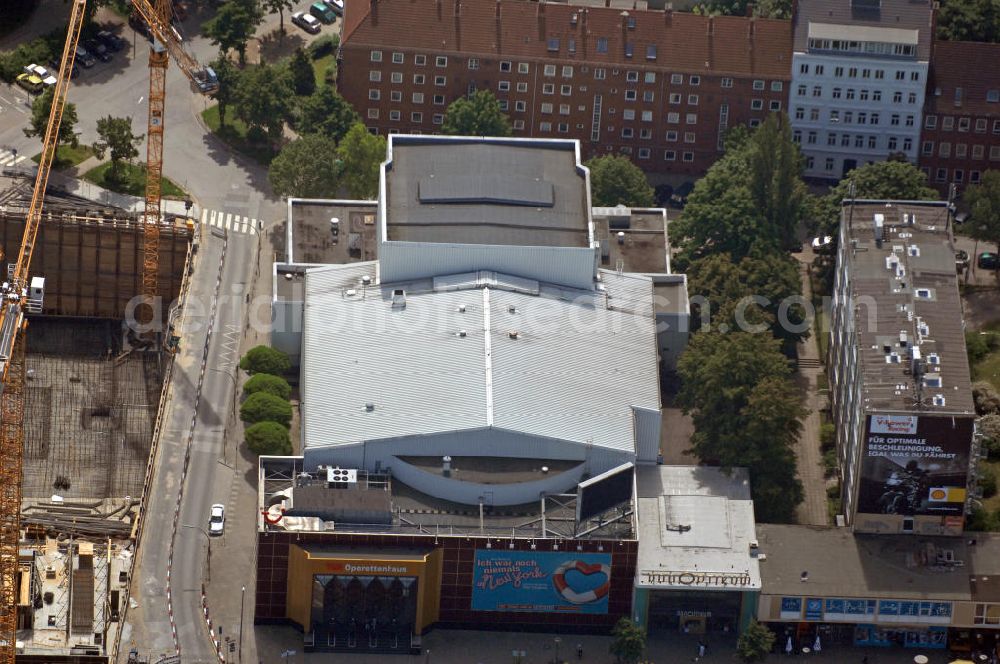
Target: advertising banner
<point>542,582</point>
<point>915,465</point>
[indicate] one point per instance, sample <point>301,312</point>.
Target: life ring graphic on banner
<point>270,519</point>
<point>574,596</point>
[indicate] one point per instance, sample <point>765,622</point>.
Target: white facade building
<point>859,72</point>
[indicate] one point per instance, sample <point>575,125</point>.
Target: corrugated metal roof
<point>573,372</point>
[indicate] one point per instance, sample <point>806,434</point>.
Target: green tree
<point>361,154</point>
<point>271,6</point>
<point>969,20</point>
<point>478,115</point>
<point>774,179</point>
<point>233,26</point>
<point>983,201</point>
<point>265,100</point>
<point>268,438</point>
<point>755,642</point>
<point>615,180</point>
<point>326,112</point>
<point>628,641</point>
<point>40,109</point>
<point>229,82</point>
<point>306,167</point>
<point>268,383</point>
<point>885,180</point>
<point>115,136</point>
<point>264,407</point>
<point>303,79</point>
<point>746,413</point>
<point>267,360</point>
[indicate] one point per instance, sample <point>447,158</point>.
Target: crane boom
<point>16,302</point>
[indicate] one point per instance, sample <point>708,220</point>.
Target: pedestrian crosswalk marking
<point>229,221</point>
<point>10,160</point>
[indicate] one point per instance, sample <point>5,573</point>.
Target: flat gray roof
<point>448,191</point>
<point>310,238</point>
<point>581,359</point>
<point>695,520</point>
<point>909,285</point>
<point>843,564</point>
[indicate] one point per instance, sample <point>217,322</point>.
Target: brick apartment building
<point>659,86</point>
<point>961,127</point>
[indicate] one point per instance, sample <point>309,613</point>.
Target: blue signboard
<point>543,582</point>
<point>814,608</point>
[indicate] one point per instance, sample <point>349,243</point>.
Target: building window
<point>503,104</point>
<point>814,114</point>
<point>689,137</point>
<point>947,123</point>
<point>397,58</point>
<point>669,155</point>
<point>694,80</point>
<point>811,138</point>
<point>420,60</point>
<point>874,118</point>
<point>648,95</point>
<point>828,165</point>
<point>848,117</point>
<point>977,151</point>
<point>394,116</point>
<point>671,136</point>
<point>958,177</point>
<point>545,126</point>
<point>850,93</point>
<point>673,118</point>
<point>974,177</point>
<point>643,153</point>
<point>692,100</point>
<point>942,175</point>
<point>897,97</point>
<point>800,113</point>
<point>993,96</point>
<point>726,82</point>
<point>996,126</point>
<point>863,95</point>
<point>626,132</point>
<point>819,70</point>
<point>758,85</point>
<point>776,86</point>
<point>866,73</point>
<point>688,156</point>
<point>900,75</point>
<point>876,95</point>
<point>649,77</point>
<point>602,44</point>
<point>563,109</point>
<point>546,108</point>
<point>563,128</point>
<point>675,97</point>
<point>873,142</point>
<point>961,149</point>
<point>646,134</point>
<point>756,104</point>
<point>753,123</point>
<point>548,88</point>
<point>503,86</point>
<point>441,61</point>
<point>801,91</point>
<point>894,119</point>
<point>440,80</point>
<point>647,116</point>
<point>438,118</point>
<point>567,71</point>
<point>505,65</point>
<point>691,118</point>
<point>835,94</point>
<point>831,139</point>
<point>930,122</point>
<point>599,73</point>
<point>632,76</point>
<point>907,144</point>
<point>439,100</point>
<point>416,117</point>
<point>893,142</point>
<point>909,120</point>
<point>775,105</point>
<point>522,86</point>
<point>810,162</point>
<point>995,153</point>
<point>944,149</point>
<point>963,124</point>
<point>519,125</point>
<point>804,68</point>
<point>396,96</point>
<point>523,68</point>
<point>418,79</point>
<point>628,114</point>
<point>677,79</point>
<point>549,70</point>
<point>845,140</point>
<point>473,63</point>
<point>852,72</point>
<point>373,114</point>
<point>519,106</point>
<point>376,56</point>
<point>838,72</point>
<point>397,77</point>
<point>374,94</point>
<point>981,126</point>
<point>911,98</point>
<point>374,76</point>
<point>630,95</point>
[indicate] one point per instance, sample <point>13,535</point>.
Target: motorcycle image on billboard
<point>915,465</point>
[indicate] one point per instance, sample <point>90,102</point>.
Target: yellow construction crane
<point>20,297</point>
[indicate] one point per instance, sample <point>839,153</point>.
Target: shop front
<point>693,603</point>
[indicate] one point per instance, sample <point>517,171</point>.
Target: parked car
<point>42,73</point>
<point>988,261</point>
<point>336,5</point>
<point>113,42</point>
<point>307,22</point>
<point>30,82</point>
<point>680,196</point>
<point>823,244</point>
<point>84,57</point>
<point>662,193</point>
<point>961,260</point>
<point>73,73</point>
<point>322,11</point>
<point>217,519</point>
<point>98,49</point>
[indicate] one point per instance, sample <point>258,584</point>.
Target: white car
<point>41,72</point>
<point>307,22</point>
<point>217,520</point>
<point>336,5</point>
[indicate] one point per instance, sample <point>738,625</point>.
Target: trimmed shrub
<point>267,360</point>
<point>268,384</point>
<point>268,438</point>
<point>263,407</point>
<point>324,46</point>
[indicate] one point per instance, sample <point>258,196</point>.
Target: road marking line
<point>229,221</point>
<point>204,217</point>
<point>215,220</point>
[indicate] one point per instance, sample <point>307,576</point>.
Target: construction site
<point>92,396</point>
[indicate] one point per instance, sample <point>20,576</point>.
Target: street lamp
<point>557,641</point>
<point>232,378</point>
<point>208,576</point>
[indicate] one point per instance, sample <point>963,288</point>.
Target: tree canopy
<point>279,6</point>
<point>233,26</point>
<point>885,180</point>
<point>306,168</point>
<point>983,201</point>
<point>361,154</point>
<point>969,20</point>
<point>755,642</point>
<point>628,641</point>
<point>228,93</point>
<point>268,438</point>
<point>264,407</point>
<point>265,100</point>
<point>267,360</point>
<point>303,79</point>
<point>41,107</point>
<point>326,112</point>
<point>615,180</point>
<point>269,383</point>
<point>478,115</point>
<point>115,136</point>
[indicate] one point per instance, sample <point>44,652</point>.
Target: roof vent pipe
<point>398,298</point>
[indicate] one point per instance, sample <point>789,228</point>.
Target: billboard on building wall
<point>915,465</point>
<point>541,582</point>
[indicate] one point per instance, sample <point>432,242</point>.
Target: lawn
<point>234,134</point>
<point>134,181</point>
<point>67,156</point>
<point>320,66</point>
<point>988,368</point>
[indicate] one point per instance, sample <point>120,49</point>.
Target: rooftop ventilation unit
<point>398,298</point>
<point>337,477</point>
<point>879,224</point>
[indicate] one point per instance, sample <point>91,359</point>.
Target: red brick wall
<point>968,151</point>
<point>456,583</point>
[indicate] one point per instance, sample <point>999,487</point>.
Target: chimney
<point>668,14</point>
<point>498,11</point>
<point>374,12</point>
<point>625,39</point>
<point>458,8</point>
<point>749,12</point>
